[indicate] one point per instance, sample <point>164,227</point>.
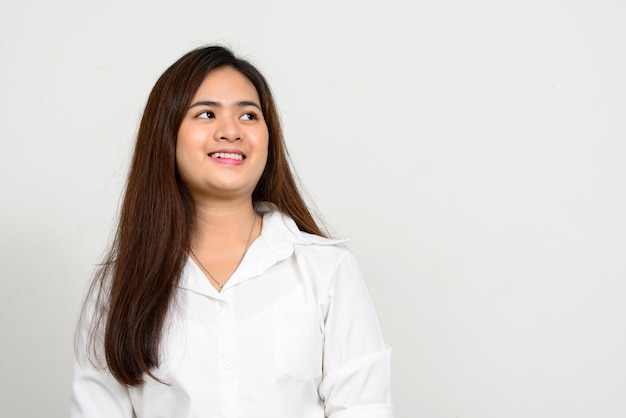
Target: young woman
<point>221,296</point>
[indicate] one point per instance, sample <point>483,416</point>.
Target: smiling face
<point>222,143</point>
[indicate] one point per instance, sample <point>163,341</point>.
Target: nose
<point>228,130</point>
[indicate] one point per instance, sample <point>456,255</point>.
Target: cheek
<point>179,152</point>
<point>178,161</point>
<point>266,151</point>
<point>182,159</point>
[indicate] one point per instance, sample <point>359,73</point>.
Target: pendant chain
<point>221,286</point>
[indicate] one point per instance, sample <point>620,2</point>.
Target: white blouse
<point>293,334</point>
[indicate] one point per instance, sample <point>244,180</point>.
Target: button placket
<point>225,335</point>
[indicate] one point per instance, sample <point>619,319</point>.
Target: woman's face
<point>222,143</point>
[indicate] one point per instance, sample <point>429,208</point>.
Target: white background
<point>474,151</point>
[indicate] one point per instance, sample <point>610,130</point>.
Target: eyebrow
<point>210,103</point>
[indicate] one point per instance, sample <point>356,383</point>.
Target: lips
<point>227,155</point>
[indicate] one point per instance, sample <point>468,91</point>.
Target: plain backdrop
<point>473,151</point>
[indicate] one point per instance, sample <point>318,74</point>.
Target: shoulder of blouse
<point>279,227</point>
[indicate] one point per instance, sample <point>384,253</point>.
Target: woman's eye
<point>207,114</point>
<point>249,116</point>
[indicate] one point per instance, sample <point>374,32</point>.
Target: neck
<point>224,224</point>
<point>222,235</point>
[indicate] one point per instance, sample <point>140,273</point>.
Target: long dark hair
<point>135,285</point>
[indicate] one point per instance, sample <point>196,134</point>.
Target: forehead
<point>228,84</point>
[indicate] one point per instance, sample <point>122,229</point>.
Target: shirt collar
<point>277,241</point>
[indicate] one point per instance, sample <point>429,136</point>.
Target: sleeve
<point>95,392</point>
<point>357,377</point>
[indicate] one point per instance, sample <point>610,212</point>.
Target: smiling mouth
<point>227,155</point>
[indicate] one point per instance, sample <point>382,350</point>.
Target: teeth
<point>226,155</point>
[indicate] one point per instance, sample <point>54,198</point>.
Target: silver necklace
<point>221,286</point>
